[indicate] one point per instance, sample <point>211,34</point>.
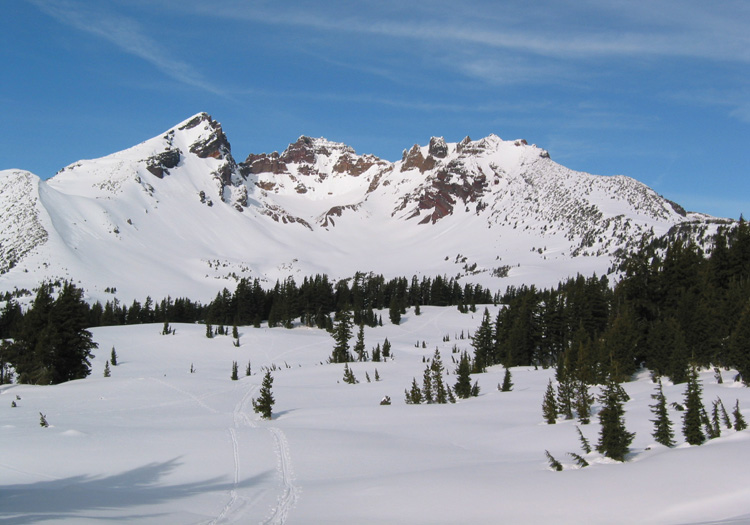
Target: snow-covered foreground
<point>155,443</point>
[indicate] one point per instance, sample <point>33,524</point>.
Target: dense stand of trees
<point>673,307</point>
<point>43,334</point>
<point>50,343</point>
<point>312,302</point>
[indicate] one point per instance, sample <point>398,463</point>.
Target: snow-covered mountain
<point>177,215</point>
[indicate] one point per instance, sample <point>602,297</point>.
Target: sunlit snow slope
<point>177,215</point>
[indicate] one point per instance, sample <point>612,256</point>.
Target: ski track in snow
<point>290,492</point>
<point>239,419</point>
<point>186,393</point>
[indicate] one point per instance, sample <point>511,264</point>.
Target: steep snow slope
<point>177,215</point>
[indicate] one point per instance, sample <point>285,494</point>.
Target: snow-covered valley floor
<point>155,443</point>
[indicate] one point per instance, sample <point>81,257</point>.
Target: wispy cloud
<point>669,28</point>
<point>128,35</point>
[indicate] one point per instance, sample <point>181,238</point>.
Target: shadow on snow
<point>71,497</point>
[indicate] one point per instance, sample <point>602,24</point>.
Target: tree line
<point>675,306</point>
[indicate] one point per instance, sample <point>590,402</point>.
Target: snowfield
<point>155,443</point>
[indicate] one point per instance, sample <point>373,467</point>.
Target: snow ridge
<point>177,215</point>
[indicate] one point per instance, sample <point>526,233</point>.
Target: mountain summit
<point>178,215</point>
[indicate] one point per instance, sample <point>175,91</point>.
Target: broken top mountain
<point>178,215</point>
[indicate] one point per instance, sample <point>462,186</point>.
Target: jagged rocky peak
<point>211,140</point>
<point>413,159</point>
<point>438,148</point>
<point>309,154</point>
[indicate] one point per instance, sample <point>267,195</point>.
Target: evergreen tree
<point>235,332</point>
<point>614,439</point>
<point>662,425</point>
<point>484,344</point>
<point>235,370</point>
<point>427,394</point>
<point>582,403</point>
<point>579,459</point>
<point>724,416</point>
<point>376,353</point>
<point>113,357</point>
<point>349,375</point>
<point>507,385</point>
<point>565,394</point>
<point>43,420</point>
<point>438,386</point>
<point>553,463</point>
<point>265,401</point>
<point>107,372</point>
<point>585,445</point>
<point>549,405</point>
<point>359,345</point>
<point>715,418</point>
<point>166,330</point>
<point>474,390</point>
<point>463,381</point>
<point>342,332</point>
<point>394,310</point>
<point>691,420</point>
<point>248,369</point>
<point>739,421</point>
<point>386,348</point>
<point>377,376</point>
<point>413,396</point>
<point>209,330</point>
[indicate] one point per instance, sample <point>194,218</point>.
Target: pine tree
<point>367,376</point>
<point>166,330</point>
<point>113,357</point>
<point>507,385</point>
<point>107,372</point>
<point>349,375</point>
<point>549,405</point>
<point>248,369</point>
<point>386,349</point>
<point>565,393</point>
<point>662,425</point>
<point>438,386</point>
<point>235,374</point>
<point>43,420</point>
<point>359,345</point>
<point>235,333</point>
<point>475,389</point>
<point>484,344</point>
<point>724,416</point>
<point>553,463</point>
<point>585,445</point>
<point>691,420</point>
<point>265,401</point>
<point>377,376</point>
<point>413,396</point>
<point>715,421</point>
<point>209,330</point>
<point>342,332</point>
<point>376,354</point>
<point>739,421</point>
<point>579,459</point>
<point>427,393</point>
<point>394,310</point>
<point>614,439</point>
<point>582,402</point>
<point>463,381</point>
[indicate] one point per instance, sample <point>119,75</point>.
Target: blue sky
<point>657,90</point>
